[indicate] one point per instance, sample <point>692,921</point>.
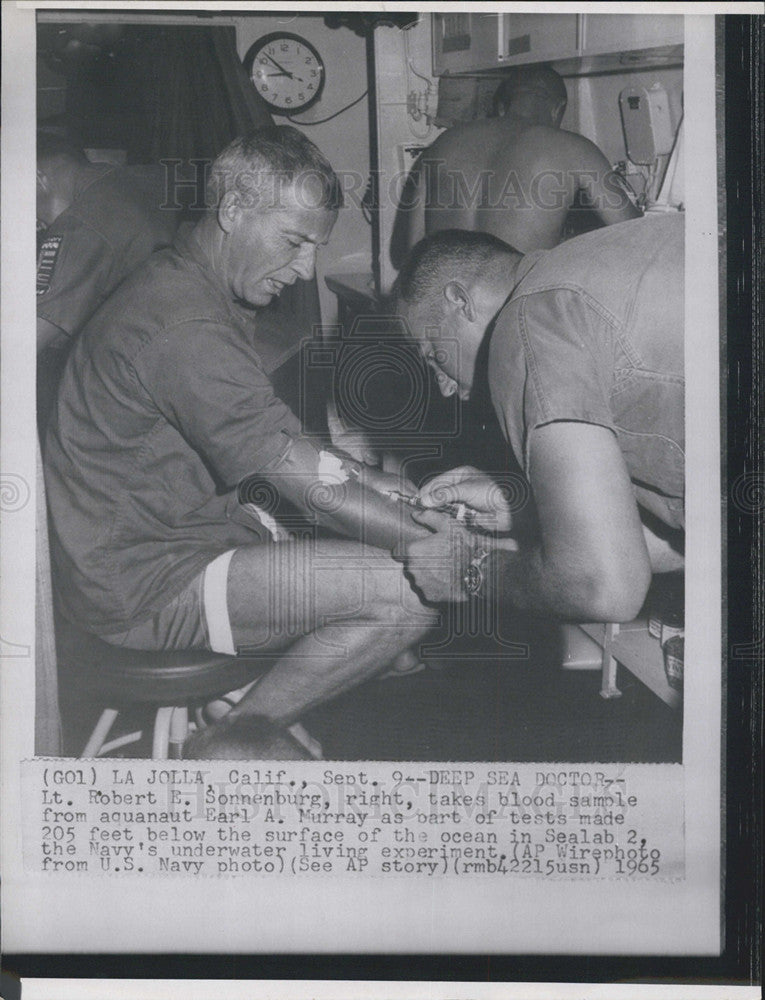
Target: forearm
<point>357,508</point>
<point>363,514</point>
<point>527,580</point>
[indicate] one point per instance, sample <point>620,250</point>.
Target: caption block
<point>250,819</point>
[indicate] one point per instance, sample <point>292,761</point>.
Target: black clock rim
<point>249,60</point>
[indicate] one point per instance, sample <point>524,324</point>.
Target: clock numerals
<point>286,71</point>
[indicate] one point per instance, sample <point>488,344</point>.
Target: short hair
<point>541,80</point>
<point>276,152</point>
<point>57,141</point>
<point>444,255</point>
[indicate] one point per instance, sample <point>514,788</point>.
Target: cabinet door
<point>531,38</point>
<point>464,43</point>
<point>624,32</point>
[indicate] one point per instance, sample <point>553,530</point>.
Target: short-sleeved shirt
<point>165,407</point>
<point>119,215</point>
<point>594,332</point>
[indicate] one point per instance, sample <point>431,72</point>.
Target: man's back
<point>515,180</point>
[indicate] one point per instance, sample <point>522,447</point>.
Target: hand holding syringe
<point>473,497</point>
<point>459,511</point>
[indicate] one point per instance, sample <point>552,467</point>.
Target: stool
<point>170,680</point>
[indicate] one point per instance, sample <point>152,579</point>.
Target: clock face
<point>286,70</point>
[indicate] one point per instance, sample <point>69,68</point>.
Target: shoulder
<point>123,203</point>
<point>457,135</point>
<point>579,148</point>
<point>167,296</point>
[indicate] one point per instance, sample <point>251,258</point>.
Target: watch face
<point>286,70</point>
<point>473,580</point>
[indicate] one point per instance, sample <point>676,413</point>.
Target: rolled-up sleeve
<point>550,360</point>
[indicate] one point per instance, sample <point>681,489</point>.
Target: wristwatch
<point>475,577</point>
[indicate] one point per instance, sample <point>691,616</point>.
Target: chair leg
<point>301,735</point>
<point>159,749</point>
<point>179,730</point>
<point>98,737</point>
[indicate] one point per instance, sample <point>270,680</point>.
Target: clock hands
<point>282,70</point>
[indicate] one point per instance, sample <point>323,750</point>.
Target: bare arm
<point>591,562</point>
<point>605,191</point>
<point>357,508</point>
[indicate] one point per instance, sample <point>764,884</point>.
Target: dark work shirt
<point>114,222</point>
<point>165,406</point>
<point>594,332</point>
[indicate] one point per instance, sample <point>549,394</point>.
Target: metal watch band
<point>474,577</point>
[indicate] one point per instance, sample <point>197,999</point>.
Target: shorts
<point>197,618</point>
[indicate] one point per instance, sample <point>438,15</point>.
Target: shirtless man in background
<point>515,175</point>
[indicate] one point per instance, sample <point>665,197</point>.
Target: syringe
<point>460,511</point>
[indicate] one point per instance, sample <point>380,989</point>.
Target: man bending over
<point>585,368</point>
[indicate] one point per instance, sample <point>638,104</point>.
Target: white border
<point>66,914</point>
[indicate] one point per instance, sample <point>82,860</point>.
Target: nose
<point>305,262</point>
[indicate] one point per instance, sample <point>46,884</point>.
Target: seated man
<point>515,175</point>
<point>585,368</point>
<point>167,427</point>
<point>96,224</point>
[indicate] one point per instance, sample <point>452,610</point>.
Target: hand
<point>476,489</point>
<point>438,563</point>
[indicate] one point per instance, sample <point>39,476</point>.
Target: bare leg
<point>339,612</point>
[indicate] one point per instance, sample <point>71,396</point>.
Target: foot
<point>244,738</point>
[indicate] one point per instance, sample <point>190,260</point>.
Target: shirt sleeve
<point>551,357</point>
<point>206,381</point>
<point>72,268</point>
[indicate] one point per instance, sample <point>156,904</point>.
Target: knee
<point>405,609</point>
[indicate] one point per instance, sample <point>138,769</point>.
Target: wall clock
<point>286,71</point>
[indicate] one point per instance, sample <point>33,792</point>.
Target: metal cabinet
<point>602,33</point>
<point>531,38</point>
<point>464,43</point>
<point>474,43</point>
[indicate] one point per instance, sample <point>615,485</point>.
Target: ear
<point>558,112</point>
<point>229,211</point>
<point>42,181</point>
<point>458,299</point>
